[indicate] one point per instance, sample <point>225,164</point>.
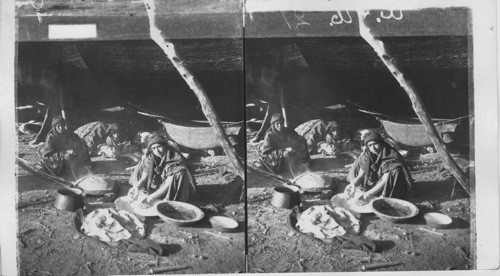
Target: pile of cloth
<point>111,226</point>
<point>328,222</point>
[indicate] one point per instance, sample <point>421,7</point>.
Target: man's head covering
<point>114,127</point>
<point>277,117</point>
<point>58,120</point>
<point>372,136</point>
<point>332,125</point>
<point>448,137</point>
<point>156,139</point>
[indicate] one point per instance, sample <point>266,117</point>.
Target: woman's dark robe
<point>274,144</point>
<point>376,165</point>
<point>183,185</point>
<point>53,150</point>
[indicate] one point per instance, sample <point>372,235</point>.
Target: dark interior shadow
<point>383,246</point>
<point>170,249</point>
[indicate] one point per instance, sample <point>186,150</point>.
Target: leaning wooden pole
<point>283,109</point>
<point>417,104</point>
<point>168,48</point>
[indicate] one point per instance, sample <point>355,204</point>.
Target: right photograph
<point>360,151</point>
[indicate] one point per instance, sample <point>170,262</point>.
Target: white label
<point>72,31</point>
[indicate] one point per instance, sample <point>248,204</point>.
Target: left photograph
<point>130,137</point>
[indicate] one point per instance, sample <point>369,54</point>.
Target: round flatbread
<point>313,182</point>
<point>95,185</point>
<point>349,203</point>
<point>133,206</point>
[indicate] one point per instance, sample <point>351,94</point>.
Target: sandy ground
<point>48,244</point>
<point>274,247</point>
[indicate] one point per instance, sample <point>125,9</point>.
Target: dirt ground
<point>273,247</point>
<point>49,245</point>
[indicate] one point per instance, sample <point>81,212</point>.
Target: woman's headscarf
<point>277,117</point>
<point>373,136</point>
<point>58,120</point>
<point>156,139</point>
<point>113,127</point>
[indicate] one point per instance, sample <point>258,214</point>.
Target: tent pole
<point>282,96</point>
<point>283,110</point>
<point>416,101</point>
<point>263,127</point>
<point>46,126</point>
<point>168,48</point>
<point>61,99</point>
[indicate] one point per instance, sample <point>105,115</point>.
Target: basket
<point>394,210</point>
<point>179,213</point>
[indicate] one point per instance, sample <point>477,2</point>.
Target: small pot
<point>284,197</point>
<point>69,199</point>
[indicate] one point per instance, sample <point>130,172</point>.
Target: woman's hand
<point>150,199</point>
<point>287,151</point>
<point>133,192</point>
<point>350,190</point>
<point>146,202</point>
<point>68,154</point>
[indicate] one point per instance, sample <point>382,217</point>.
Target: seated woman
<point>117,146</point>
<point>379,171</point>
<point>337,142</point>
<point>283,148</point>
<point>93,134</point>
<point>163,174</point>
<point>326,138</point>
<point>313,131</point>
<point>64,152</point>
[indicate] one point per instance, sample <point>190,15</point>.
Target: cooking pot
<point>286,197</point>
<point>69,199</point>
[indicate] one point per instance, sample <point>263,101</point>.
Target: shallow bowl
<point>223,224</point>
<point>179,213</point>
<point>437,220</point>
<point>393,209</point>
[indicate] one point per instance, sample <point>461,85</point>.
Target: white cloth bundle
<point>327,222</point>
<point>111,226</point>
